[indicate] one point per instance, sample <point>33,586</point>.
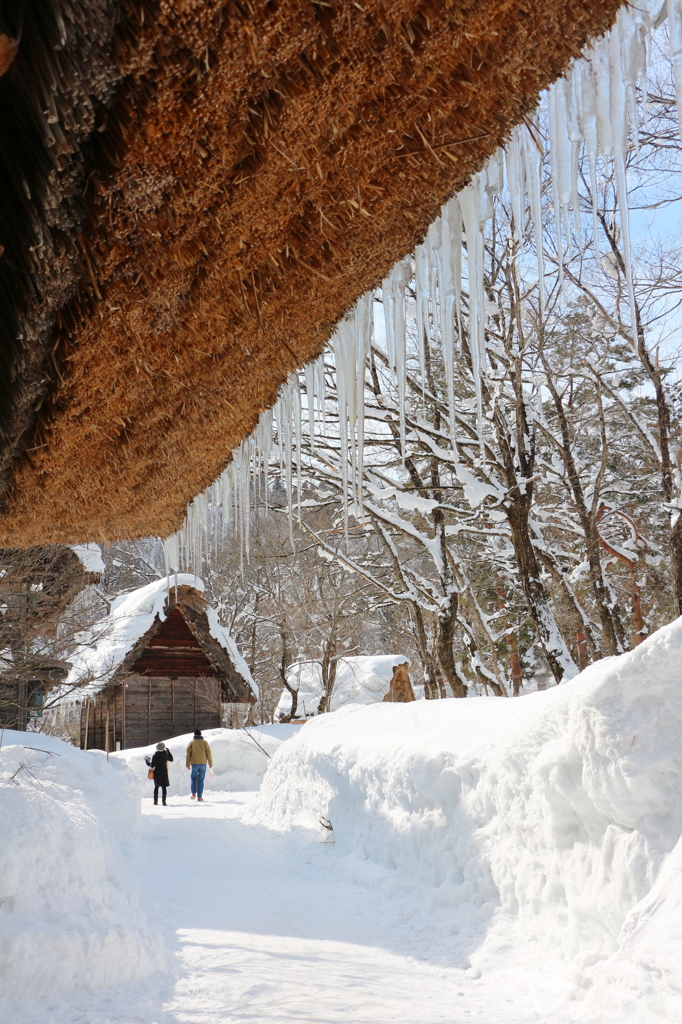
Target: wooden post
<point>173,705</point>
<point>22,700</point>
<point>106,733</point>
<point>516,670</point>
<point>582,650</point>
<point>195,705</point>
<point>149,711</point>
<point>123,716</point>
<point>87,722</point>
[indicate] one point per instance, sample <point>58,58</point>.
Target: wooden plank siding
<point>146,709</point>
<point>174,651</point>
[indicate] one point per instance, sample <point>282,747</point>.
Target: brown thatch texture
<point>260,166</point>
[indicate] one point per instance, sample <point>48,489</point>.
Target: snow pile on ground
<point>546,827</point>
<point>360,680</point>
<point>68,913</point>
<point>240,758</point>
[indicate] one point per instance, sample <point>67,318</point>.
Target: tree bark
<point>329,663</point>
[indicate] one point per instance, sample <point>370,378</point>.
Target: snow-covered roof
<point>105,645</point>
<point>364,679</point>
<point>90,556</point>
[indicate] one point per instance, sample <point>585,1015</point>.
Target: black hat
<point>197,734</point>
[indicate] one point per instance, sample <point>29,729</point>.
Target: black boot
<point>164,803</point>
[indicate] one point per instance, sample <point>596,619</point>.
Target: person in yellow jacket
<point>198,756</point>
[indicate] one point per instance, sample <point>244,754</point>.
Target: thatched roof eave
<point>194,215</point>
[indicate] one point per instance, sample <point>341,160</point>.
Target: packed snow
<point>488,859</point>
<point>364,679</point>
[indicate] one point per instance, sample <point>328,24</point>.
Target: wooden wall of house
<point>12,706</point>
<point>20,702</point>
<point>146,709</point>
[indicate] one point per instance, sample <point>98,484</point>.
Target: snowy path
<point>260,935</point>
<point>266,928</point>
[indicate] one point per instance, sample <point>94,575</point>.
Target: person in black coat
<point>159,764</point>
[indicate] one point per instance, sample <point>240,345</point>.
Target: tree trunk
<point>556,652</point>
<point>445,633</point>
<point>329,663</point>
<point>431,691</point>
<point>283,666</point>
<point>612,630</point>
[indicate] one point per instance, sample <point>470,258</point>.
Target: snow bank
<point>361,680</point>
<point>240,758</point>
<point>68,913</point>
<point>547,826</point>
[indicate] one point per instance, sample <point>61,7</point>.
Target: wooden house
<point>172,673</point>
<point>37,586</point>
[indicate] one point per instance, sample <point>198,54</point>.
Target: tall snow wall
<point>68,906</point>
<point>550,823</point>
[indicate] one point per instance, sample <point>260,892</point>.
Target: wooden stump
<point>400,691</point>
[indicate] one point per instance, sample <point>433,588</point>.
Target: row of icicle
<point>595,105</point>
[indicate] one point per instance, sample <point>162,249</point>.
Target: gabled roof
<point>194,195</point>
<point>119,643</point>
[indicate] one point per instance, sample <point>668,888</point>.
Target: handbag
<point>150,773</point>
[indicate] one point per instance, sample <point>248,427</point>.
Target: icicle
<point>364,318</point>
<point>399,279</point>
<point>171,554</point>
<point>322,391</point>
<point>533,159</point>
<point>515,181</point>
<point>474,202</point>
<point>287,433</point>
<point>297,427</point>
<point>451,286</point>
<point>387,302</point>
<point>344,350</point>
<point>590,132</point>
<point>421,260</point>
<point>433,241</point>
<point>602,80</point>
<point>309,374</point>
<point>572,96</point>
<point>555,170</point>
<point>675,30</point>
<point>619,139</point>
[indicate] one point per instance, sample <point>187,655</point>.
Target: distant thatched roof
<point>193,193</point>
<point>116,645</point>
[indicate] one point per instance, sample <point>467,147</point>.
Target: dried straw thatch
<point>212,186</point>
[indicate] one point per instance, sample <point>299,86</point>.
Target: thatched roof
<point>119,644</point>
<point>192,195</point>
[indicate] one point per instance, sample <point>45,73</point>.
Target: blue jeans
<point>198,775</point>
